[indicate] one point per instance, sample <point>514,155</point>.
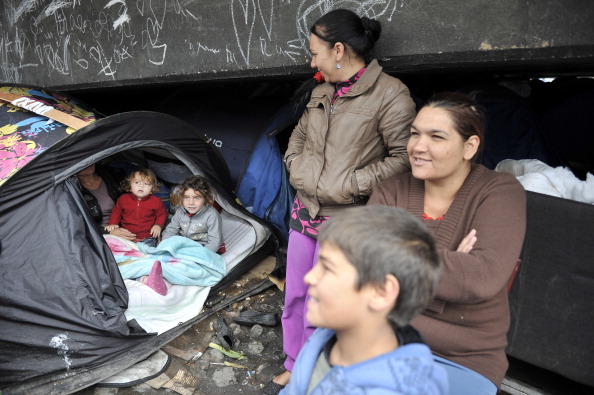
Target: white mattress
<point>239,237</point>
<point>158,313</point>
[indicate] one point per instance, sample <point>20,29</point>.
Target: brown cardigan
<point>468,319</point>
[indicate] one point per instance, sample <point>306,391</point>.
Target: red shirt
<point>138,216</point>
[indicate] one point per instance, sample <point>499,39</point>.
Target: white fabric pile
<point>537,176</point>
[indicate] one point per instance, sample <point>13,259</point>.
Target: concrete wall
<point>79,44</point>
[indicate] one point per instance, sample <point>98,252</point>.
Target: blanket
<point>160,313</point>
<point>184,261</point>
<point>539,177</point>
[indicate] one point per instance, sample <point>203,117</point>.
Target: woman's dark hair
<point>357,34</point>
<point>467,116</point>
<point>344,26</point>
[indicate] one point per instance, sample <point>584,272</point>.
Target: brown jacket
<point>337,153</point>
<point>468,319</point>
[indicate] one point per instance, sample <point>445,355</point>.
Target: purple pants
<point>301,256</point>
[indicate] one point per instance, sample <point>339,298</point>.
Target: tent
<point>63,300</point>
<point>245,130</point>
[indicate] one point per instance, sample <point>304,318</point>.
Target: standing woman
<point>478,218</point>
<point>352,135</point>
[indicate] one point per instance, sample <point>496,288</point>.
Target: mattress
<point>159,313</point>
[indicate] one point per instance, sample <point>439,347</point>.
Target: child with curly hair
<point>139,210</point>
<point>195,217</point>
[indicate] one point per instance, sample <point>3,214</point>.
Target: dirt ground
<point>212,372</point>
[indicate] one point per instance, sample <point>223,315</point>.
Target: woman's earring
<point>337,65</point>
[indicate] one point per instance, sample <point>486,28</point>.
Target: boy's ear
<point>385,295</point>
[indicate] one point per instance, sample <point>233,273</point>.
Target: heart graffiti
<point>267,24</point>
<point>243,25</point>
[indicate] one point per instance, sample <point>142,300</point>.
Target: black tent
<point>62,298</point>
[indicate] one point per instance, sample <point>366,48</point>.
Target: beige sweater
<point>468,319</point>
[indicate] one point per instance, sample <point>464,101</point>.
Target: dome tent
<point>63,298</point>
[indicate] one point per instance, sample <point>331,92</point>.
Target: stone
<point>255,348</point>
<point>224,376</point>
<point>256,331</point>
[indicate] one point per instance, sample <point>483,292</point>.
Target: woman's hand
<point>467,242</point>
<point>109,228</point>
<point>123,233</point>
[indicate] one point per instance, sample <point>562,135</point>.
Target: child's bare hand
<point>109,228</point>
<point>467,242</point>
<point>156,231</point>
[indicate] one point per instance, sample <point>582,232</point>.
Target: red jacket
<point>138,216</point>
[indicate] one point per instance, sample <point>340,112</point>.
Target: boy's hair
<point>197,183</point>
<point>144,174</point>
<point>382,240</point>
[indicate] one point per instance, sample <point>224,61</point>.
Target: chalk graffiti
<point>77,41</point>
<point>124,17</point>
<point>267,22</point>
<point>243,25</point>
<point>196,48</point>
<point>152,31</point>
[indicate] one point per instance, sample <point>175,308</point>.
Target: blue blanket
<point>184,261</point>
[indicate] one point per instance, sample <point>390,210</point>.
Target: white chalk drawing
<point>151,32</point>
<point>263,48</point>
<point>77,41</point>
<point>124,17</point>
<point>197,48</point>
<point>230,56</point>
<point>267,21</point>
<point>243,16</point>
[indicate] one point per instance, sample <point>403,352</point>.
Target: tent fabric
<point>264,186</point>
<point>62,296</point>
<point>244,133</point>
<point>61,307</point>
<point>231,124</point>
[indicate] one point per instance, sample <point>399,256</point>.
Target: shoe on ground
<point>252,317</point>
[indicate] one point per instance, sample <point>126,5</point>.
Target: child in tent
<point>377,268</point>
<point>138,210</point>
<point>195,217</point>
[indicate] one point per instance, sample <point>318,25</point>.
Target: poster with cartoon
<point>27,128</point>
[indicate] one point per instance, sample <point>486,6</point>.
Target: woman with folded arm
<point>478,218</point>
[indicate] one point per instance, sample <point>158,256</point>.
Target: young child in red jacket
<point>138,210</point>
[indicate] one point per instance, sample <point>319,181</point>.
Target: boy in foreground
<point>377,268</point>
